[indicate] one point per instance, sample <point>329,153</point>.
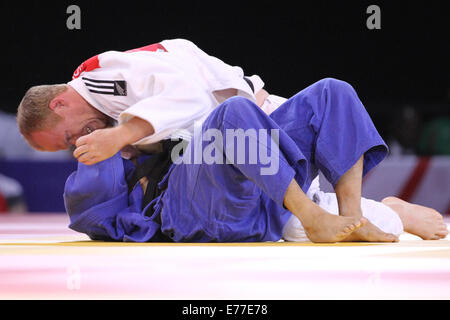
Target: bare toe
<point>393,238</point>
<point>330,228</point>
<point>442,234</point>
<point>371,233</point>
<point>353,224</point>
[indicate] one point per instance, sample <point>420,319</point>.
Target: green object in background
<point>435,137</point>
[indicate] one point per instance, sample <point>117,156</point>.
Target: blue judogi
<point>324,127</point>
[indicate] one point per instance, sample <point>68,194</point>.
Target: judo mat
<point>40,258</point>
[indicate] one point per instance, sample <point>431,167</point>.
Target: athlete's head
<point>53,117</point>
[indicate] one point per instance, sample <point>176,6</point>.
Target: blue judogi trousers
<point>324,127</point>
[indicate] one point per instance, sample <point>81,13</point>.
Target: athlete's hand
<point>98,146</point>
<point>104,143</point>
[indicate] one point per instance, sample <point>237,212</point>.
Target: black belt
<point>250,83</point>
<point>154,169</point>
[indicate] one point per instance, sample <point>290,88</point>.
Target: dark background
<point>290,44</point>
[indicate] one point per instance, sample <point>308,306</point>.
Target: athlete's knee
<point>237,107</point>
<point>232,109</point>
<point>342,95</point>
<point>337,86</point>
<point>237,102</point>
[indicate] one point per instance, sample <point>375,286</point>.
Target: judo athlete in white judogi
<point>171,86</point>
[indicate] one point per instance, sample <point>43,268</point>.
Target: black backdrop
<point>290,44</point>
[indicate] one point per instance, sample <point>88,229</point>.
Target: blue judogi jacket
<point>99,204</point>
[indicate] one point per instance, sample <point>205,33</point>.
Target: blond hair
<point>34,113</point>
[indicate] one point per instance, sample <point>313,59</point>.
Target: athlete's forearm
<point>133,131</point>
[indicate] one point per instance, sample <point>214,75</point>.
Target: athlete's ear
<point>57,104</point>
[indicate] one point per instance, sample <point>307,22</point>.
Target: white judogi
<point>173,84</point>
<point>170,87</point>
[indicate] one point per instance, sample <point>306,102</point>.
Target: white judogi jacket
<point>171,85</point>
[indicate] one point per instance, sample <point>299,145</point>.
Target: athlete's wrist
<point>133,131</point>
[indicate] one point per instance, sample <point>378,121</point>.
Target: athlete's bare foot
<point>369,232</point>
<point>319,225</point>
<point>421,221</point>
<point>325,227</point>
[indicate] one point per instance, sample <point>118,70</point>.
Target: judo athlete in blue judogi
<point>324,127</point>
